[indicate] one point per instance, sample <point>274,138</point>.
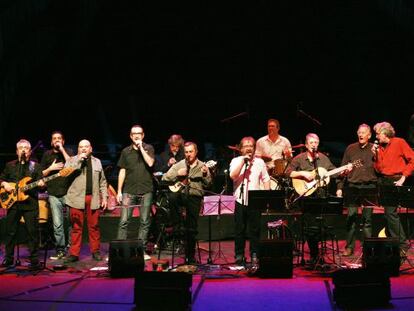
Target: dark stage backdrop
<point>211,72</point>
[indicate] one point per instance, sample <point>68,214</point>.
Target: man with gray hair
<point>16,172</point>
<point>394,161</point>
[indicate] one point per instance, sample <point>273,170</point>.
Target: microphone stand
<point>241,196</point>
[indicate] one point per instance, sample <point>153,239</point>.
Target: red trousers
<point>77,217</point>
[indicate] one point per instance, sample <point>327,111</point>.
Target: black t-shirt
<point>14,172</point>
<point>58,186</point>
<point>138,175</point>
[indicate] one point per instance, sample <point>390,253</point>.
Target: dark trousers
<point>192,205</point>
<point>351,223</point>
<point>246,220</point>
<point>356,195</point>
<point>31,223</point>
<point>392,218</point>
<point>313,227</point>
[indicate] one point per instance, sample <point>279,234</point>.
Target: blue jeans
<point>57,206</point>
<point>144,201</point>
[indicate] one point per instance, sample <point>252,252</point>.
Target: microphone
<point>23,157</point>
<point>376,144</point>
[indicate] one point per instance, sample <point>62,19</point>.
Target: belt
<point>392,176</point>
<point>368,183</point>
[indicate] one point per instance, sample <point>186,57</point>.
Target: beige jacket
<point>75,196</point>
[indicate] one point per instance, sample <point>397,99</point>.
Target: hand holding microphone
<point>138,143</point>
<point>23,157</point>
<point>375,147</point>
<point>247,159</point>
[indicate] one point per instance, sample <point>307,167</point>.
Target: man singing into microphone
<point>135,184</point>
<point>247,173</point>
<point>359,187</point>
<point>394,161</point>
<point>13,172</point>
<point>304,166</point>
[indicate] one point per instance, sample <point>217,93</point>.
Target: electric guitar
<point>181,184</point>
<point>7,199</point>
<point>305,188</point>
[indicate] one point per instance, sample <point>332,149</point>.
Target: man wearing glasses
<point>135,184</point>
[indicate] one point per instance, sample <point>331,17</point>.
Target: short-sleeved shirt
<point>138,175</point>
<point>58,186</point>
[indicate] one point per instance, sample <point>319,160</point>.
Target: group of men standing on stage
<point>75,182</point>
<point>388,161</point>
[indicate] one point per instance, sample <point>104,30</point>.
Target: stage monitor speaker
<point>275,258</point>
<point>163,291</point>
<point>126,258</point>
<point>382,254</point>
<point>361,288</point>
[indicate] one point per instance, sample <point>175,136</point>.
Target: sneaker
<point>71,259</point>
<point>97,256</point>
<point>146,256</point>
<point>59,255</point>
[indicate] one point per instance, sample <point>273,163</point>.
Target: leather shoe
<point>347,252</point>
<point>97,256</point>
<point>240,260</point>
<point>71,259</point>
<point>191,261</point>
<point>34,265</point>
<point>7,263</point>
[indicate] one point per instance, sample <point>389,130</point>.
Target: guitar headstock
<point>211,163</point>
<point>357,163</point>
<point>64,172</point>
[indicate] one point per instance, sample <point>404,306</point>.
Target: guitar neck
<point>36,183</point>
<point>337,170</point>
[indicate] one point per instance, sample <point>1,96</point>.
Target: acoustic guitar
<point>305,188</point>
<point>181,184</point>
<point>7,199</point>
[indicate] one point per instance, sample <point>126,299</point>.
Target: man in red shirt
<point>394,161</point>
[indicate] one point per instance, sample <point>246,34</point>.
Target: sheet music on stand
<point>212,207</point>
<point>217,205</point>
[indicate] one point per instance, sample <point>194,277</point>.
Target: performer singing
<point>13,172</point>
<point>247,172</point>
<point>394,161</point>
<point>358,187</point>
<point>135,184</point>
<point>304,168</point>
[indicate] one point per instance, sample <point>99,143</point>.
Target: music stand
<point>318,207</point>
<point>217,205</point>
<point>265,200</point>
<point>401,196</point>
